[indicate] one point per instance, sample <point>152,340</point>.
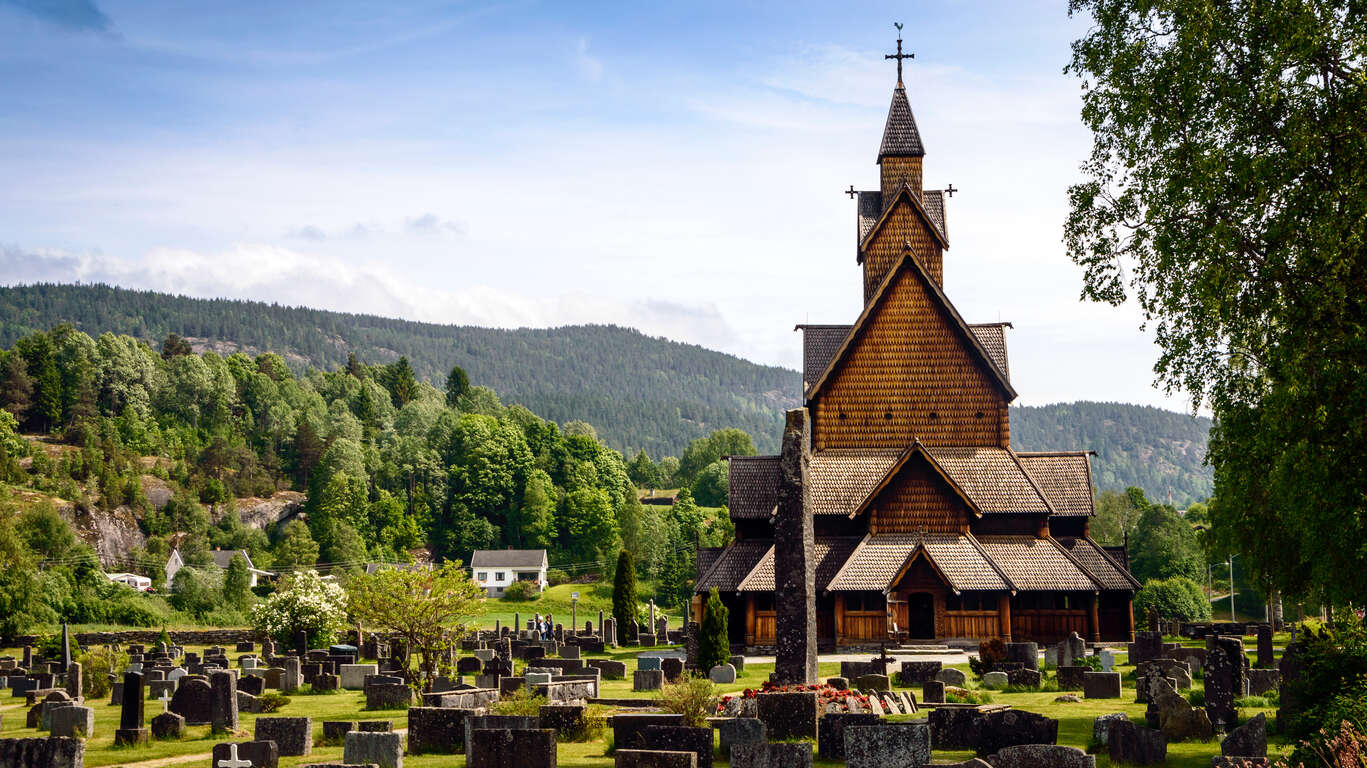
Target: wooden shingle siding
<point>911,375</point>
<point>918,498</point>
<point>896,171</point>
<point>904,225</point>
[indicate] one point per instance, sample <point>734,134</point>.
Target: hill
<point>1157,450</point>
<point>637,391</point>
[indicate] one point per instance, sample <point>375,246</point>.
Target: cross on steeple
<point>899,55</point>
<point>851,192</point>
<point>950,190</point>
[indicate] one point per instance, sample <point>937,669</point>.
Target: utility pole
<point>1231,589</point>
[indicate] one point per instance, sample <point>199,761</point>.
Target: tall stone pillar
<point>794,558</point>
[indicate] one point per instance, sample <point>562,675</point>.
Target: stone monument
<point>794,558</point>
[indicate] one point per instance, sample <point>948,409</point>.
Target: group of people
<point>544,626</point>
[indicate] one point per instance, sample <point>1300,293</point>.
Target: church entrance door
<point>921,615</point>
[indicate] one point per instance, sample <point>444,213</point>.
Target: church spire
<point>901,138</point>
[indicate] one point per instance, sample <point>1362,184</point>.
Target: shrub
<point>989,653</point>
<point>556,577</point>
<point>624,605</point>
<point>522,703</point>
<point>969,697</point>
<point>1332,686</point>
<point>521,592</point>
<point>96,668</point>
<point>714,645</point>
<point>1176,599</point>
<point>304,602</point>
<point>693,697</point>
<point>272,702</point>
<point>590,727</point>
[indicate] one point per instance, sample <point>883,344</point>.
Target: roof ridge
<point>908,257</point>
<point>849,559</point>
<point>1115,563</point>
<point>1033,482</point>
<point>920,208</point>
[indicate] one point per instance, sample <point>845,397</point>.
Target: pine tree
<point>237,583</point>
<point>457,384</point>
<point>16,388</point>
<point>399,380</point>
<point>624,593</point>
<point>714,644</point>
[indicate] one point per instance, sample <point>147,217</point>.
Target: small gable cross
<point>950,190</point>
<point>851,192</point>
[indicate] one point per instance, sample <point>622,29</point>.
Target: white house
<point>140,583</point>
<point>495,569</point>
<point>222,557</point>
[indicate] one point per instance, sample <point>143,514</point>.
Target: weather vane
<point>899,55</point>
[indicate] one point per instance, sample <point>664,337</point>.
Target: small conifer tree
<point>624,594</point>
<point>714,645</point>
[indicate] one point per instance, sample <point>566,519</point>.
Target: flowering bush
<point>305,602</point>
<point>825,694</point>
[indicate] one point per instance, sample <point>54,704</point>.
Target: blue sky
<point>673,167</point>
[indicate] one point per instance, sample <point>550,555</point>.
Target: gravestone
<point>507,748</point>
<point>933,692</point>
<point>1146,645</point>
<point>1223,679</point>
<point>830,732</point>
<point>1101,685</point>
<point>257,754</point>
<point>722,674</point>
<point>654,758</point>
<point>737,661</point>
<point>1136,745</point>
<point>995,681</point>
<point>737,730</point>
<point>168,726</point>
<point>293,678</point>
<point>73,722</point>
<point>951,676</point>
<point>301,644</point>
<point>194,701</point>
<point>1071,650</point>
<point>223,712</point>
<point>1042,756</point>
<point>628,730</point>
<point>794,560</point>
<point>647,680</point>
<point>292,735</point>
<point>131,731</point>
<point>381,749</point>
<point>66,646</point>
<point>787,755</point>
<point>73,680</point>
<point>680,738</point>
<point>872,683</point>
<point>890,745</point>
<point>788,715</point>
<point>1023,678</point>
<point>1248,740</point>
<point>1265,653</point>
<point>673,669</point>
<point>252,685</point>
<point>1101,727</point>
<point>1025,654</point>
<point>1071,678</point>
<point>916,672</point>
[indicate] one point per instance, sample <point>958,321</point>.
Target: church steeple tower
<point>901,153</point>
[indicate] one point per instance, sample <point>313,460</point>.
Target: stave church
<point>922,522</point>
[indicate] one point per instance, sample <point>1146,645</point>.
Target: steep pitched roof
<point>508,558</point>
<point>900,135</point>
<point>753,486</point>
<point>992,479</point>
<point>843,477</point>
<point>830,554</point>
<point>917,205</point>
<point>870,210</point>
<point>910,263</point>
<point>1066,479</point>
<point>1102,567</point>
<point>1037,565</point>
<point>934,200</point>
<point>993,338</point>
<point>707,557</point>
<point>819,345</point>
<point>734,564</point>
<point>878,560</point>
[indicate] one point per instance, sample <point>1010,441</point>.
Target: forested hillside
<point>637,391</point>
<point>1150,448</point>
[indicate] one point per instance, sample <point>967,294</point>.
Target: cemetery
<point>1152,705</point>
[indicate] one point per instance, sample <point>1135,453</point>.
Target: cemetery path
<point>173,760</point>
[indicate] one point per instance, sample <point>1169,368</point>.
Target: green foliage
<point>624,592</point>
<point>304,601</point>
<point>521,592</point>
<point>45,532</point>
<point>710,449</point>
<point>1208,206</point>
<point>271,701</point>
<point>196,592</point>
<point>97,667</point>
<point>1164,546</point>
<point>658,403</point>
<point>693,697</point>
<point>522,704</point>
<point>555,577</point>
<point>237,583</point>
<point>1332,686</point>
<point>1116,517</point>
<point>296,547</point>
<point>20,603</point>
<point>712,485</point>
<point>1176,599</point>
<point>714,642</point>
<point>457,384</point>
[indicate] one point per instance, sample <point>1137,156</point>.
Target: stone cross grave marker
<point>233,761</point>
<point>165,699</point>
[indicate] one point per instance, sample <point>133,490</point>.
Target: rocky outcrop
<point>261,513</point>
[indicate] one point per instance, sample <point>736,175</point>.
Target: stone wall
<point>148,636</point>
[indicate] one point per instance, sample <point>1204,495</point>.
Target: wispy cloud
<point>590,66</point>
<point>79,15</point>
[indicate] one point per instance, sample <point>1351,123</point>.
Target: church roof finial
<point>899,55</point>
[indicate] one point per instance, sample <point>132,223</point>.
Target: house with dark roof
<point>497,569</point>
<point>927,524</point>
<point>221,559</point>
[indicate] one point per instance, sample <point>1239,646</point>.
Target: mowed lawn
<point>1075,724</point>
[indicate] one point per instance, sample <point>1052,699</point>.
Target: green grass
<point>1075,723</point>
<point>555,600</point>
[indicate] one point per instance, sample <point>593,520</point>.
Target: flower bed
<point>830,700</point>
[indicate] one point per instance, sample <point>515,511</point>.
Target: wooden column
<point>839,617</point>
<point>1004,616</point>
<point>1129,614</point>
<point>749,619</point>
<point>1094,618</point>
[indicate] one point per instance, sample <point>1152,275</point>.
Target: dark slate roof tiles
<point>734,565</point>
<point>1107,572</point>
<point>901,138</point>
<point>819,345</point>
<point>1036,565</point>
<point>753,486</point>
<point>878,559</point>
<point>1065,479</point>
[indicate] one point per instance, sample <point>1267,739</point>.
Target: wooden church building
<point>927,524</point>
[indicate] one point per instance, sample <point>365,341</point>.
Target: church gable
<point>910,370</point>
<point>904,224</point>
<point>917,498</point>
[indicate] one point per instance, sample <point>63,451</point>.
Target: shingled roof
<point>991,479</point>
<point>1036,565</point>
<point>1065,478</point>
<point>831,554</point>
<point>842,478</point>
<point>870,210</point>
<point>993,338</point>
<point>878,560</point>
<point>753,486</point>
<point>819,345</point>
<point>734,565</point>
<point>934,200</point>
<point>1103,569</point>
<point>901,138</point>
